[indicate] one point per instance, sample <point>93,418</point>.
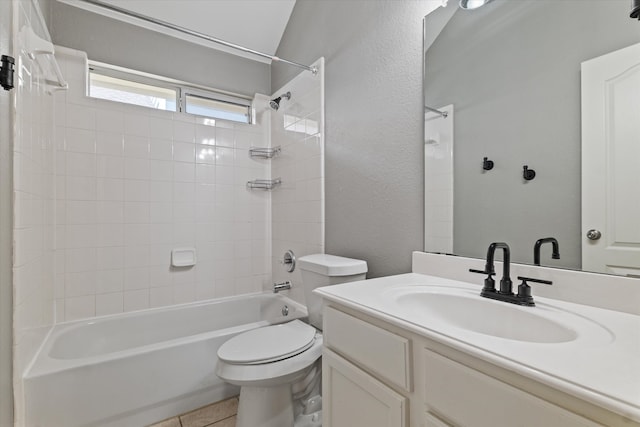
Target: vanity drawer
<point>383,353</point>
<point>467,397</point>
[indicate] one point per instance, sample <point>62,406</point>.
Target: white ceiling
<point>255,24</point>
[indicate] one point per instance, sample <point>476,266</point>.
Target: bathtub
<point>137,368</point>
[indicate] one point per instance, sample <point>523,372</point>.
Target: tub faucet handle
<point>289,261</point>
<point>277,287</point>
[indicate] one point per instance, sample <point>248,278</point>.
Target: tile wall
<point>132,183</point>
<point>104,191</point>
<point>298,205</point>
<point>33,194</point>
<point>438,181</point>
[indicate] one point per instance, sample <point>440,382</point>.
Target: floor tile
<point>173,422</point>
<point>211,414</point>
<point>228,422</point>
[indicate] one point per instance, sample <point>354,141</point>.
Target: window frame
<point>218,97</point>
<point>182,89</point>
<point>131,77</point>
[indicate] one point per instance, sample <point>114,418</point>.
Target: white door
<point>611,162</point>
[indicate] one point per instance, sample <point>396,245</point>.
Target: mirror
<point>509,78</point>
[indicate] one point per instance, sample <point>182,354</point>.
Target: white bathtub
<point>138,368</point>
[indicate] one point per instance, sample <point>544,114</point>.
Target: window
<point>131,92</point>
<point>131,87</point>
<point>216,108</point>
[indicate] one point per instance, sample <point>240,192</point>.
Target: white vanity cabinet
<point>352,397</point>
<point>376,374</point>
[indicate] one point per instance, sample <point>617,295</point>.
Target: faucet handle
<point>531,279</point>
<point>490,273</point>
<point>524,290</point>
<point>489,283</point>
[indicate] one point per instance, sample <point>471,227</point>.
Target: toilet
<point>278,367</point>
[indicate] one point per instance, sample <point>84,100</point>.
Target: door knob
<point>593,234</point>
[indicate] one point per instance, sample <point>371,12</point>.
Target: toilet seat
<point>268,344</point>
<point>286,369</point>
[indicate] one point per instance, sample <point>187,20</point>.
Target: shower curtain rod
<point>197,34</point>
<point>444,114</point>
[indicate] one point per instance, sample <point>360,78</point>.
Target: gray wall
<point>118,43</point>
<point>512,71</point>
<point>373,128</point>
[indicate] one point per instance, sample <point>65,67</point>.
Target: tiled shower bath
<point>110,189</point>
<point>133,183</point>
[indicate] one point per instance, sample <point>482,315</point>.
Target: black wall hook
<point>487,164</point>
<point>6,72</point>
<point>528,174</point>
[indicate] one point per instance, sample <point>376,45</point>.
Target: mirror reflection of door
<point>610,153</point>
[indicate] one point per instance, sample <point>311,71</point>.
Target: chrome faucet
<point>536,249</point>
<point>505,293</point>
<point>277,287</point>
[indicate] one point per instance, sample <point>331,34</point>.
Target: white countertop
<point>601,367</point>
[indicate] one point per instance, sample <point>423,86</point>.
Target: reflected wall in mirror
<point>513,72</point>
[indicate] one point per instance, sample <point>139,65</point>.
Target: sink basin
<point>466,310</point>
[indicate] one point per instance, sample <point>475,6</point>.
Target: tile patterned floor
<point>220,414</point>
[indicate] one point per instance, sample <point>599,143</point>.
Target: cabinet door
<point>433,421</point>
<point>467,397</point>
<point>352,398</point>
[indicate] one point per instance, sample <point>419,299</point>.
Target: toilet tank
<point>324,270</point>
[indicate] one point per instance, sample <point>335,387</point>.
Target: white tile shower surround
<point>33,193</point>
<point>438,181</point>
<point>101,201</point>
<point>298,205</point>
<point>132,183</point>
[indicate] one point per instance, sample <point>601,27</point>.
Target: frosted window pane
<point>217,109</point>
<point>119,90</point>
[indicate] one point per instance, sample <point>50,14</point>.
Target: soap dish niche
<point>183,257</point>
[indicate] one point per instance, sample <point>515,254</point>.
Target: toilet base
<point>311,420</point>
<point>265,407</point>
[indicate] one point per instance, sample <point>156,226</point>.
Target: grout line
<point>221,420</point>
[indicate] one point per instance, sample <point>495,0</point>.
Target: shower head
<point>275,103</point>
<point>635,9</point>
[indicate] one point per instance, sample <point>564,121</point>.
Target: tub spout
<point>277,287</point>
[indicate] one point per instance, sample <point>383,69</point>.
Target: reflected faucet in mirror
<point>536,249</point>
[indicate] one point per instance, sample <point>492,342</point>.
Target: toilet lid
<point>268,344</point>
